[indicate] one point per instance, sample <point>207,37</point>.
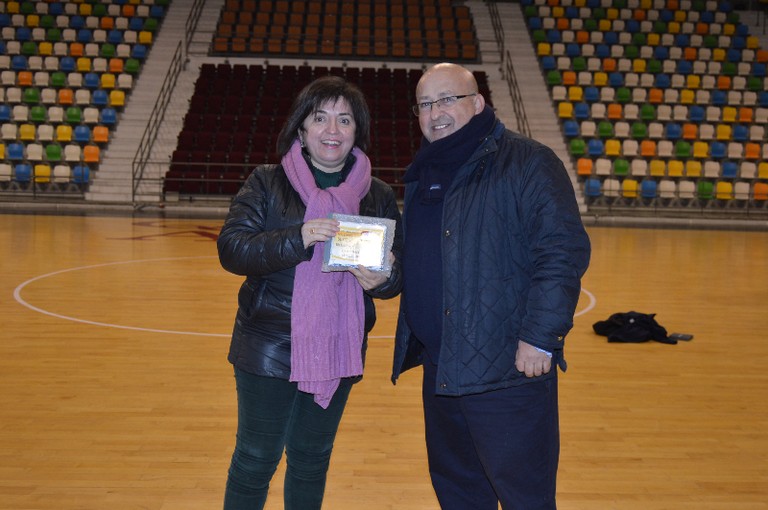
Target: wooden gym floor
<point>115,392</point>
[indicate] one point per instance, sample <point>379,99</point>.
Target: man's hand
<point>370,279</point>
<point>531,361</point>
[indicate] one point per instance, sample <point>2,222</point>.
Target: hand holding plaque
<point>361,241</point>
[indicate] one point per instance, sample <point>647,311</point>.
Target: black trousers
<point>501,446</point>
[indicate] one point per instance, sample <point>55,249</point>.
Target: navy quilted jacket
<point>515,250</point>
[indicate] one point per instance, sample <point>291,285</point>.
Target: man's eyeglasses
<point>444,103</point>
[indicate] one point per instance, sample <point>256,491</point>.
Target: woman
<point>300,334</point>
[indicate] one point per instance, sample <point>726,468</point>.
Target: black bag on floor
<point>632,327</point>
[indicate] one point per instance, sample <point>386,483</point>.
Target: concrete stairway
<point>113,181</point>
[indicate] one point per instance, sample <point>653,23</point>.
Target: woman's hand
<point>370,279</point>
<point>318,230</point>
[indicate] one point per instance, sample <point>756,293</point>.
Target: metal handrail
<point>177,65</point>
<point>508,72</point>
<point>155,119</point>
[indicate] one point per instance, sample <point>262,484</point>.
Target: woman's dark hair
<point>312,97</point>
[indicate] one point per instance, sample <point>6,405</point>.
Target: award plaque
<point>360,241</point>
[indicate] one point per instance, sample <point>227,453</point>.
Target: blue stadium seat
<point>100,98</point>
<point>696,113</point>
<point>19,63</point>
<point>661,53</point>
<point>662,81</point>
<point>571,128</point>
<point>81,174</point>
<point>84,35</point>
<point>115,36</point>
<point>108,117</point>
<point>648,189</point>
<point>22,173</point>
<point>23,34</point>
<point>15,151</point>
<point>719,97</point>
<point>673,131</point>
<point>740,132</point>
<point>682,40</point>
<point>717,150</point>
<point>82,134</point>
<point>595,148</point>
<point>581,111</point>
<point>684,66</point>
<point>76,22</point>
<point>67,64</point>
<point>730,169</point>
<point>139,51</point>
<point>91,80</point>
<point>136,24</point>
<point>592,188</point>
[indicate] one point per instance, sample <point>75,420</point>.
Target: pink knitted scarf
<point>327,311</point>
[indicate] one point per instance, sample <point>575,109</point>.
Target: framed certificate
<point>361,241</point>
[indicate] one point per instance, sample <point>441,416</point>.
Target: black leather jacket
<point>261,240</point>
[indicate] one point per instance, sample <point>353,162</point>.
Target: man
<point>494,253</point>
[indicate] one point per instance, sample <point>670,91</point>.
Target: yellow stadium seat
<point>117,98</point>
<point>27,132</point>
<point>723,132</point>
<point>107,81</point>
<point>612,147</point>
<point>657,167</point>
<point>693,168</point>
<point>565,110</point>
<point>63,133</point>
<point>42,173</point>
<point>724,190</point>
<point>675,168</point>
<point>145,37</point>
<point>700,149</point>
<point>729,114</point>
<point>762,170</point>
<point>629,188</point>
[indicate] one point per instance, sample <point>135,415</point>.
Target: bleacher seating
<point>662,103</point>
<point>393,30</point>
<point>237,111</point>
<point>675,87</point>
<point>66,69</point>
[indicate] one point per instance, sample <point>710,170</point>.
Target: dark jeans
<point>272,415</point>
<point>496,447</point>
